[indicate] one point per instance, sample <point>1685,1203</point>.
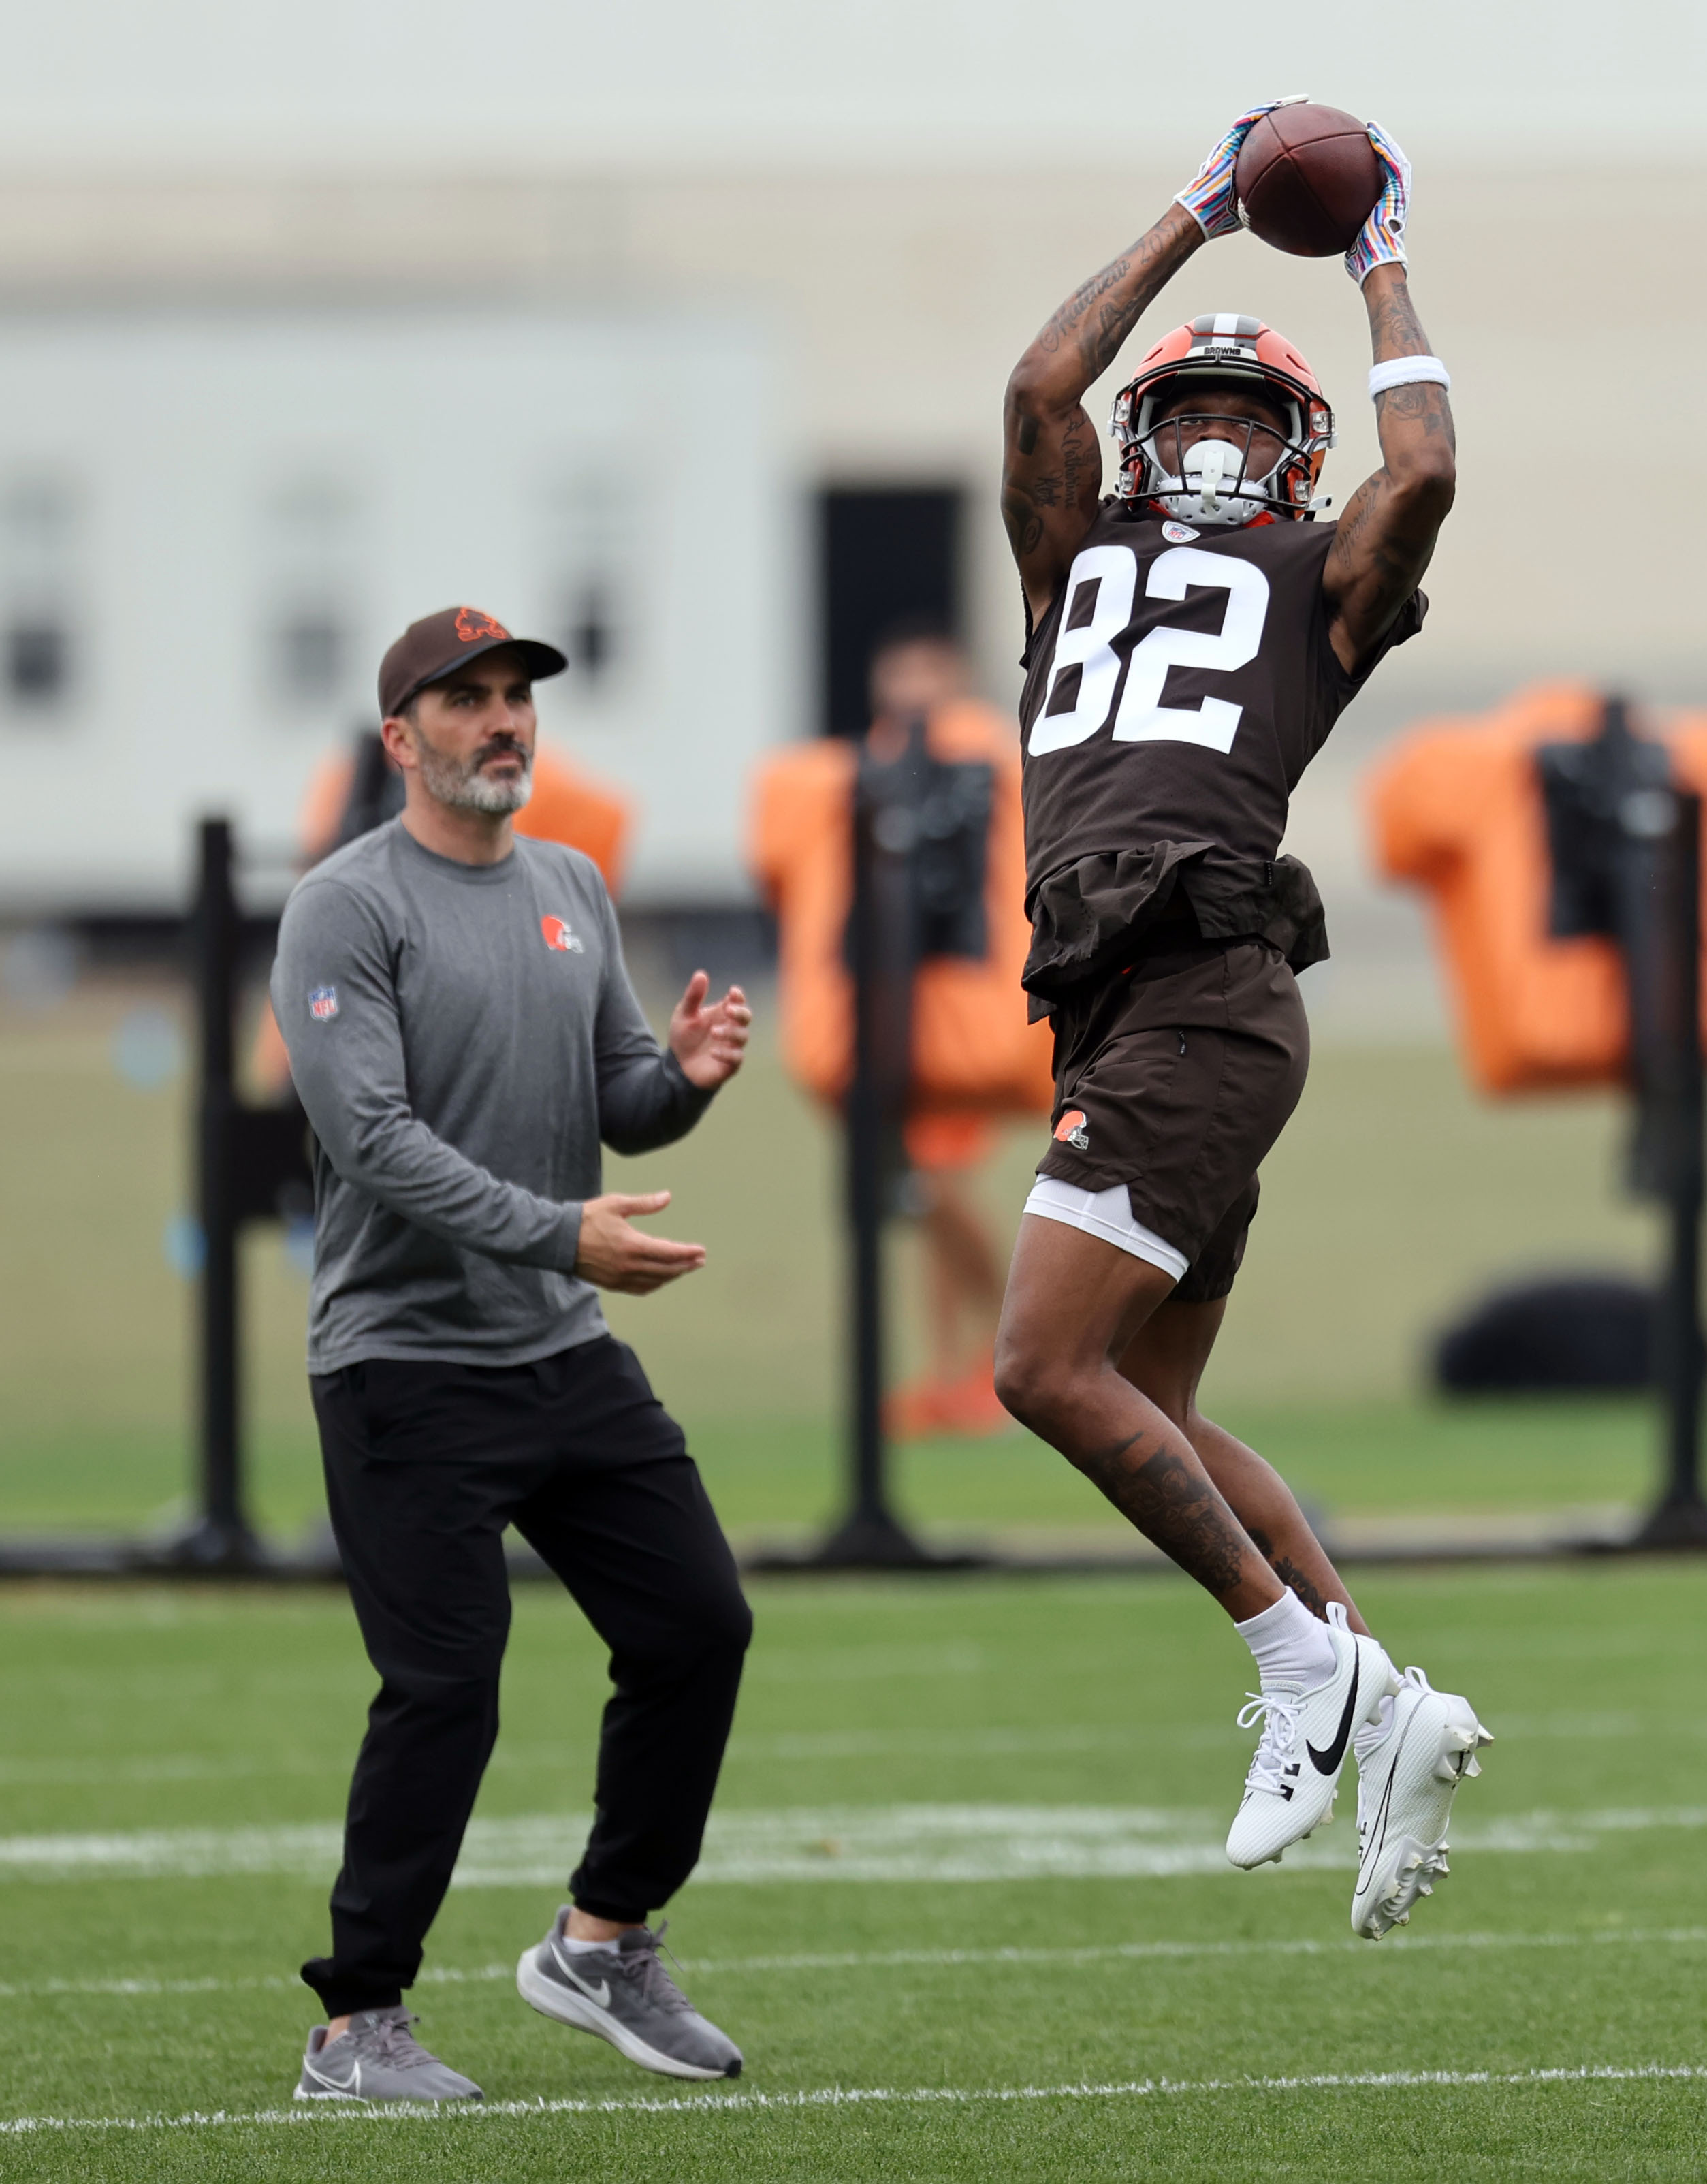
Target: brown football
<point>1307,179</point>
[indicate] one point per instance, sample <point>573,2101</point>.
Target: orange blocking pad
<point>973,1050</point>
<point>1457,810</point>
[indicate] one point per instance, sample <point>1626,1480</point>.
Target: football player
<point>1192,639</point>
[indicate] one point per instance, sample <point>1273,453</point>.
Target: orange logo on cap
<point>471,625</point>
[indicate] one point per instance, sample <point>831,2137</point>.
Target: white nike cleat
<point>1405,1786</point>
<point>1306,1736</point>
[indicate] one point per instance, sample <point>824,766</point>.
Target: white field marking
<point>834,2097</point>
<point>803,1745</point>
<point>1630,1938</point>
<point>514,1758</point>
<point>168,1767</point>
<point>881,1843</point>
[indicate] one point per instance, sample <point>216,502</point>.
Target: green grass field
<point>964,1905</point>
<point>1393,1197</point>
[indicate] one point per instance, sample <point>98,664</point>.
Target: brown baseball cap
<point>439,643</point>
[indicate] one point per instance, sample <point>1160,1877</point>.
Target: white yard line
<point>874,1843</point>
<point>1633,1937</point>
<point>831,2097</point>
<point>797,1746</point>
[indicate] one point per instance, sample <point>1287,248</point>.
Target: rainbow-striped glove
<point>1211,198</point>
<point>1381,241</point>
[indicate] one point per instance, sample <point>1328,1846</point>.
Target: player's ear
<point>397,733</point>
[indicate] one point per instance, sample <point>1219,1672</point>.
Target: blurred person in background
<point>462,1034</point>
<point>969,1015</point>
<point>919,672</point>
<point>1190,642</point>
<point>355,789</point>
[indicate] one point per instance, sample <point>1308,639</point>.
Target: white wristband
<point>1407,371</point>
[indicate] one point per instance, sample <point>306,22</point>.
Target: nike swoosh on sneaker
<point>598,1996</point>
<point>352,2085</point>
<point>1327,1762</point>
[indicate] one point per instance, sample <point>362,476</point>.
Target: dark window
<point>311,658</point>
<point>589,640</point>
<point>886,556</point>
<point>37,662</point>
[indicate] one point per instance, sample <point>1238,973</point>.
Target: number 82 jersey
<point>1177,688</point>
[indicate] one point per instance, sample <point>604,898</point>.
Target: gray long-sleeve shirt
<point>463,1036</point>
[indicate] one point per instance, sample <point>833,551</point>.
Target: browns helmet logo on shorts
<point>1070,1130</point>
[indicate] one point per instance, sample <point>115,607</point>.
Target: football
<point>1307,179</point>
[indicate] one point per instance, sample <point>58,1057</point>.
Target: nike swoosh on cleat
<point>1327,1762</point>
<point>353,2084</point>
<point>1377,1839</point>
<point>598,1996</point>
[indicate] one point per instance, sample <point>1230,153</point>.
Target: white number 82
<point>1142,717</point>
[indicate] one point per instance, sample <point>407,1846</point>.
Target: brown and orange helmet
<point>1217,349</point>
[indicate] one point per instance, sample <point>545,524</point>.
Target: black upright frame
<point>250,1164</point>
<point>880,936</point>
<point>1626,842</point>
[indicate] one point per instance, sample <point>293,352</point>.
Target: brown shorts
<point>1175,1079</point>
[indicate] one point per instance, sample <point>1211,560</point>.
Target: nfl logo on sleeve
<point>323,1003</point>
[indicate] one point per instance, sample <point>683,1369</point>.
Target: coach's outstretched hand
<point>616,1254</point>
<point>709,1044</point>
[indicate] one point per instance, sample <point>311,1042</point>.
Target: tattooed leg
<point>1166,1359</point>
<point>1164,1490</point>
<point>1071,1303</point>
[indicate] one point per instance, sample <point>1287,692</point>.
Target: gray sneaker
<point>379,2058</point>
<point>625,1995</point>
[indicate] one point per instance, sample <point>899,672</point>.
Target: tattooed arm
<point>1386,537</point>
<point>1052,473</point>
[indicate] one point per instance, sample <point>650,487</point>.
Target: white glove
<point>1382,240</point>
<point>1211,197</point>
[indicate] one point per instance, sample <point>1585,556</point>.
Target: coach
<point>463,1034</point>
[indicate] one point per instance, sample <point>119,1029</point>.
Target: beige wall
<point>1568,306</point>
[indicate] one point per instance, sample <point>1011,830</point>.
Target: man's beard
<point>465,787</point>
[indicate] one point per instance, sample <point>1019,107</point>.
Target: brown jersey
<point>1177,688</point>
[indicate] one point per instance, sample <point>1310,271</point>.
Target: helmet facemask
<point>1227,476</point>
<point>1240,481</point>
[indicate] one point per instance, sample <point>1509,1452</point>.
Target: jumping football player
<point>1192,640</point>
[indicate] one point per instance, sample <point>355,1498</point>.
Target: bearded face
<point>495,778</point>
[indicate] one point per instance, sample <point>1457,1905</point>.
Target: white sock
<point>1365,1739</point>
<point>1290,1645</point>
<point>579,1949</point>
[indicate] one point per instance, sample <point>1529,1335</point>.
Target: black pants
<point>425,1465</point>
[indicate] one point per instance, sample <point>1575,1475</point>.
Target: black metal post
<point>220,1536</point>
<point>882,940</point>
<point>1626,846</point>
<point>1662,922</point>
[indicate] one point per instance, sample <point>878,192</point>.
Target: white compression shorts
<point>1105,1213</point>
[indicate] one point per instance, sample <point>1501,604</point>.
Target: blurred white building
<point>679,332</point>
<point>213,522</point>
